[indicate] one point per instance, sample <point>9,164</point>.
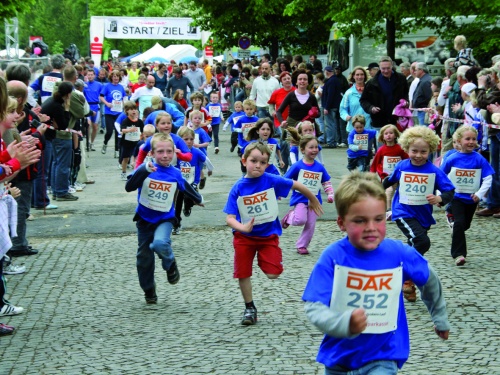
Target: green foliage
<point>57,47</point>
<point>11,8</point>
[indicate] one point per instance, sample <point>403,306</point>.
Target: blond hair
<point>358,118</point>
<point>184,130</point>
<point>460,42</point>
<point>410,135</point>
<point>161,137</point>
<point>459,133</point>
<point>260,146</point>
<point>149,130</point>
<point>250,103</point>
<point>160,115</point>
<point>304,140</point>
<point>395,130</point>
<point>355,187</point>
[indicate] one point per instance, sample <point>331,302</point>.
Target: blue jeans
<point>102,119</point>
<point>61,165</point>
<point>23,211</point>
<point>40,184</point>
<point>263,112</point>
<point>321,123</point>
<point>421,117</point>
<point>494,193</point>
<point>331,127</point>
<point>153,239</point>
<point>371,368</point>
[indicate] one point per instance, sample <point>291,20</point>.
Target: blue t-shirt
<point>471,169</point>
<point>215,111</point>
<point>161,189</point>
<point>244,123</point>
<point>178,142</point>
<point>177,116</point>
<point>195,165</point>
<point>201,136</point>
<point>298,155</point>
<point>448,154</point>
<point>364,139</point>
<point>92,92</point>
<point>46,83</point>
<point>234,118</point>
<point>274,145</point>
<point>311,175</point>
<point>356,352</point>
<point>113,94</point>
<point>416,185</point>
<point>254,190</point>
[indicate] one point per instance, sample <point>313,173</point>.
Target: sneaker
<point>302,251</point>
<point>342,145</point>
<point>119,166</point>
<point>216,150</point>
<point>129,166</point>
<point>284,221</point>
<point>187,211</point>
<point>202,183</point>
<point>67,197</point>
<point>249,317</point>
<point>459,261</point>
<point>78,184</point>
<point>12,269</point>
<point>388,216</point>
<point>101,131</point>
<point>47,207</point>
<point>150,296</point>
<point>232,148</point>
<point>173,275</point>
<point>176,230</point>
<point>123,176</point>
<point>30,218</point>
<point>103,150</point>
<point>6,330</point>
<point>117,154</point>
<point>10,310</point>
<point>450,220</point>
<point>78,187</point>
<point>92,148</point>
<point>409,291</point>
<point>71,190</point>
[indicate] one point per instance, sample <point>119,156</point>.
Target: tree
<point>264,22</point>
<point>384,21</point>
<point>10,8</point>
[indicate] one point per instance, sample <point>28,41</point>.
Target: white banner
<point>150,28</point>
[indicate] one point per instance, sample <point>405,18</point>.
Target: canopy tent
<point>128,58</point>
<point>156,51</point>
<point>157,59</point>
<point>188,59</point>
<point>177,51</point>
<point>3,53</point>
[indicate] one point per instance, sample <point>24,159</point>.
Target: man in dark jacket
<point>383,92</point>
<point>330,101</point>
<point>423,92</point>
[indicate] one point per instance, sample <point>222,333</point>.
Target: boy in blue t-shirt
<point>353,294</point>
<point>214,109</point>
<point>360,141</point>
<point>157,183</point>
<point>238,112</point>
<point>252,212</point>
<point>245,123</point>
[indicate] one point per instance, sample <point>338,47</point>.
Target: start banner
<point>150,28</point>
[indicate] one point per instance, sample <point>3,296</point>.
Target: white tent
<point>178,51</point>
<point>3,53</point>
<point>156,51</point>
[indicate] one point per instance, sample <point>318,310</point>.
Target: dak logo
<point>113,27</point>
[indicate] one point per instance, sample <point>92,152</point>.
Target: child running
<point>252,213</point>
<point>471,175</point>
<point>238,112</point>
<point>197,101</point>
<point>263,131</point>
<point>418,181</point>
<point>131,129</point>
<point>386,158</point>
<point>364,321</point>
<point>201,138</point>
<point>214,109</point>
<point>360,140</point>
<point>314,176</point>
<point>157,183</point>
<point>302,128</point>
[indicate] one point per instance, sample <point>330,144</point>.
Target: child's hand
<point>6,169</point>
<point>151,167</point>
<point>247,228</point>
<point>14,191</point>
<point>358,321</point>
<point>316,206</point>
<point>282,164</point>
<point>442,334</point>
<point>433,199</point>
<point>475,198</point>
<point>330,198</point>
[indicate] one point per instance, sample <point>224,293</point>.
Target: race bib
<point>196,139</point>
<point>188,174</point>
<point>117,106</point>
<point>48,83</point>
<point>133,136</point>
<point>245,128</point>
<point>272,158</point>
<point>361,140</point>
<point>389,163</point>
<point>262,206</point>
<point>465,181</point>
<point>214,111</point>
<point>236,118</point>
<point>312,180</point>
<point>157,195</point>
<point>377,292</point>
<point>414,187</point>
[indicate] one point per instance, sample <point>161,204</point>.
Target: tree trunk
<point>390,28</point>
<point>274,48</point>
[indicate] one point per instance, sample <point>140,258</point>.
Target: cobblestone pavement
<point>85,312</point>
